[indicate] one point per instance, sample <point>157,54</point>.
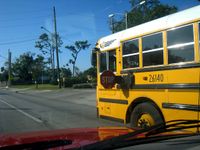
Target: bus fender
<point>139,101</point>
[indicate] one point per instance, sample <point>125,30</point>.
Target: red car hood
<point>79,137</point>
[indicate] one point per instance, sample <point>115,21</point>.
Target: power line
<point>22,18</point>
<point>22,25</point>
<point>3,57</point>
<point>20,38</point>
<point>62,37</point>
<point>25,12</point>
<point>17,42</point>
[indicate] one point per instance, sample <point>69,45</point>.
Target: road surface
<point>22,111</point>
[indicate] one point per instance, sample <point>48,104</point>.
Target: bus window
<point>112,60</point>
<point>108,61</point>
<point>130,54</point>
<point>152,49</point>
<point>103,64</point>
<point>180,44</point>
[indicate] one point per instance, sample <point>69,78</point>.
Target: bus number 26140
<point>156,78</point>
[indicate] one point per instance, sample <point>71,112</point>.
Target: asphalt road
<point>24,110</point>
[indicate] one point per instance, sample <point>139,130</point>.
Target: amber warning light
<point>107,79</point>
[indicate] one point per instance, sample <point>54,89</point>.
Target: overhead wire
<point>3,57</point>
<point>22,18</point>
<point>25,12</point>
<point>27,16</point>
<point>21,25</point>
<point>33,24</point>
<point>17,42</point>
<point>20,38</point>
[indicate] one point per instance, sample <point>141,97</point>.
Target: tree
<point>22,67</point>
<point>2,69</point>
<point>47,47</point>
<point>75,50</point>
<point>150,10</point>
<point>37,67</point>
<point>65,72</point>
<point>4,76</point>
<point>91,74</point>
<point>92,71</point>
<point>27,67</point>
<point>44,44</point>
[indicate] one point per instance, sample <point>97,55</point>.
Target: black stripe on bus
<point>167,86</point>
<point>117,101</point>
<point>193,65</point>
<point>112,118</point>
<point>181,106</point>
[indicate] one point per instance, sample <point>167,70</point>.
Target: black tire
<point>145,108</point>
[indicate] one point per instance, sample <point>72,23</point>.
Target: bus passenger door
<point>106,95</point>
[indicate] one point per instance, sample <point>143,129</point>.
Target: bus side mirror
<point>94,57</point>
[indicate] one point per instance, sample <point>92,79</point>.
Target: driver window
<point>112,60</point>
<point>108,61</point>
<point>103,64</point>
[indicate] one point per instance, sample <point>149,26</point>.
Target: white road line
<point>21,111</point>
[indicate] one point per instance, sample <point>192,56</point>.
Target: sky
<point>21,21</point>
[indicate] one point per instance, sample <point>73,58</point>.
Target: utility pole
<point>56,44</point>
<point>9,68</point>
<point>53,49</point>
<point>52,55</point>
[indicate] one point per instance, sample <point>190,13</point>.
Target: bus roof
<point>113,41</point>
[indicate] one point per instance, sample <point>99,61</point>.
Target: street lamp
<point>125,15</point>
<point>140,3</point>
<point>111,22</point>
<point>46,30</point>
<point>111,19</point>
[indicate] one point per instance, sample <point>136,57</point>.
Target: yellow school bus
<point>150,73</point>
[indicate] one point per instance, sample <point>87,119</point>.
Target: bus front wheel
<point>145,115</point>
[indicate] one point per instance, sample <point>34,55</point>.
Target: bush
<point>53,82</point>
<point>69,82</point>
<point>84,86</point>
<point>21,82</point>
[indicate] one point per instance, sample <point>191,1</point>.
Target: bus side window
<point>131,54</point>
<point>152,49</point>
<point>180,44</point>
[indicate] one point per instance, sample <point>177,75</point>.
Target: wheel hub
<point>145,121</point>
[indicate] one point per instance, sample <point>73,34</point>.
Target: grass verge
<point>33,87</point>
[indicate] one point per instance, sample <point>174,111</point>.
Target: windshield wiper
<point>150,134</point>
<point>38,145</point>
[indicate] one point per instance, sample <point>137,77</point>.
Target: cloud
<point>77,26</point>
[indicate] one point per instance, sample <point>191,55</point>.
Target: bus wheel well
<point>139,101</point>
